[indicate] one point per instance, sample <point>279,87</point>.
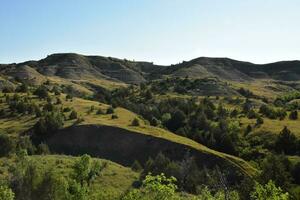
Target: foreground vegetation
<point>252,158</point>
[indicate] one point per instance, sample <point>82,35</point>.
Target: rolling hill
<point>206,109</point>
<point>74,66</point>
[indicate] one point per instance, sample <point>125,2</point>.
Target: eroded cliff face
<point>124,147</point>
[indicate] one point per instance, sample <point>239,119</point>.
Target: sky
<point>159,31</point>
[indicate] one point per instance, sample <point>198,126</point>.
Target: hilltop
<point>75,66</point>
<point>87,74</point>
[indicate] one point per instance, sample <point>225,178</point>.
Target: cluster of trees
<point>190,177</point>
<point>22,105</point>
<point>49,109</point>
<point>246,93</point>
<point>274,181</point>
<point>49,123</point>
<point>27,181</point>
<point>287,143</point>
<point>272,113</point>
<point>10,146</point>
<point>177,85</point>
<point>282,100</point>
<point>204,122</point>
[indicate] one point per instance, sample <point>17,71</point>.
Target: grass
<point>19,124</point>
<point>125,117</point>
<point>275,126</point>
<point>113,181</point>
<point>264,88</point>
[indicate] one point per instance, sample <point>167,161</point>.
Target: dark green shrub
<point>50,123</point>
<point>41,92</point>
<point>110,110</point>
<point>43,149</point>
<point>135,122</point>
<point>6,145</point>
<point>73,115</point>
<point>136,166</point>
<point>114,116</point>
<point>294,115</point>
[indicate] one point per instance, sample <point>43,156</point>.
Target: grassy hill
<point>79,67</point>
<point>113,181</point>
<point>128,111</point>
<point>15,125</point>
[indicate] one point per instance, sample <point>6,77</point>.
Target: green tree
<point>259,121</point>
<point>73,115</point>
<point>177,120</point>
<point>286,142</point>
<point>6,193</point>
<point>268,191</point>
<point>135,122</point>
<point>294,115</point>
<point>77,191</point>
<point>277,169</point>
<point>110,110</point>
<point>41,92</point>
<point>50,123</point>
<point>6,145</point>
<point>206,194</point>
<point>85,170</point>
<point>52,187</point>
<point>22,88</point>
<point>155,188</point>
<point>136,166</point>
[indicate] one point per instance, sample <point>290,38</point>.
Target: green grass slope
<point>113,181</point>
<point>18,124</point>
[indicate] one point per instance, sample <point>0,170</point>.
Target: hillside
<point>200,121</point>
<point>113,182</point>
<point>87,74</point>
<point>78,138</point>
<point>75,66</point>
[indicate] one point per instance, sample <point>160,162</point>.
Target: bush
<point>66,109</point>
<point>268,191</point>
<point>6,145</point>
<point>100,112</point>
<point>8,90</point>
<point>259,121</point>
<point>294,115</point>
<point>69,97</point>
<point>286,142</point>
<point>136,166</point>
<point>22,88</point>
<point>251,114</point>
<point>6,193</point>
<point>177,120</point>
<point>154,122</point>
<point>41,92</point>
<point>114,116</point>
<point>110,110</point>
<point>277,169</point>
<point>50,123</point>
<point>73,115</point>
<point>25,143</point>
<point>43,149</point>
<point>79,120</point>
<point>155,188</point>
<point>135,122</point>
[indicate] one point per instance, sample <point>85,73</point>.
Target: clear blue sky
<point>162,31</point>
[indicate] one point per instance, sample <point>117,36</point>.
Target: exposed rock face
<point>123,146</point>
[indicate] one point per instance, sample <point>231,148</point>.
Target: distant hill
<point>233,70</point>
<point>88,72</point>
